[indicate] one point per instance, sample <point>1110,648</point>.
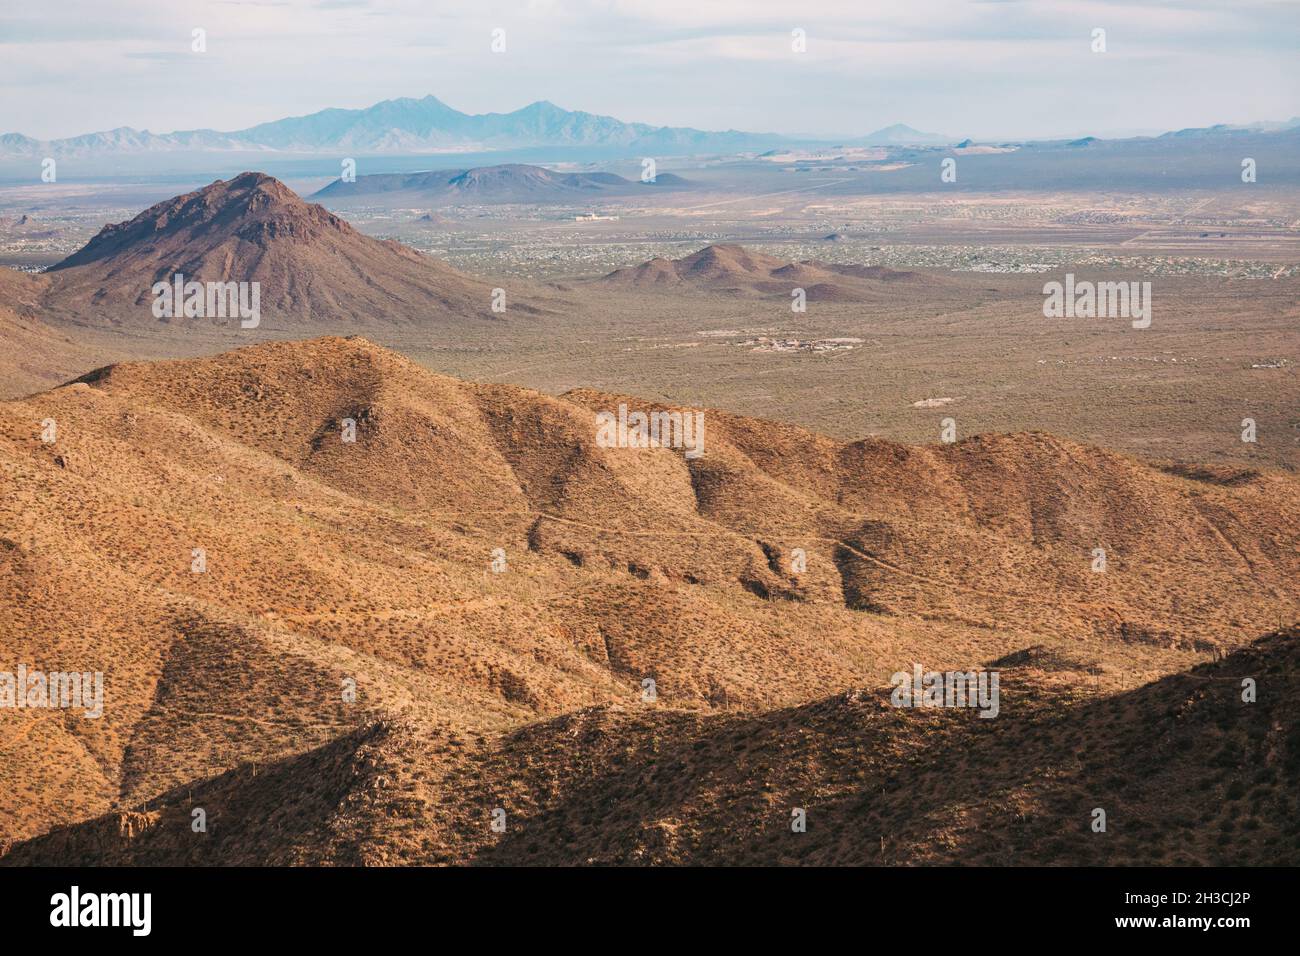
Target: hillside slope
<point>476,561</point>
<point>35,355</point>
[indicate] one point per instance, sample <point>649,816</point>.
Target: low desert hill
<point>507,183</point>
<point>484,573</point>
<point>315,272</point>
<point>26,227</point>
<point>735,270</point>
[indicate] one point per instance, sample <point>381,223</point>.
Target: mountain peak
<point>252,180</point>
<point>310,266</point>
<point>726,257</point>
<point>253,205</point>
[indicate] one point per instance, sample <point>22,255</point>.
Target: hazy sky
<point>985,68</point>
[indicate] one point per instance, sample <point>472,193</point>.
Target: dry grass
<point>370,561</point>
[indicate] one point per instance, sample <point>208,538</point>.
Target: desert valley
<point>499,591</point>
<point>400,485</point>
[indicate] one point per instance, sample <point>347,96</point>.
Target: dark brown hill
<point>313,269</point>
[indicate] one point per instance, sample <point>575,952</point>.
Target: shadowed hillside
<point>1187,772</point>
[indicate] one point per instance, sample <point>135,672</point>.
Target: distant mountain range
<point>428,125</point>
<point>406,126</point>
<point>510,182</point>
<point>1227,128</point>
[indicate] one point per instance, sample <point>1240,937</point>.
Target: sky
<point>983,68</point>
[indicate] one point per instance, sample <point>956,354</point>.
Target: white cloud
<point>70,66</point>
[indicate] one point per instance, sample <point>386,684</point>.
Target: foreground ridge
<point>304,568</point>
